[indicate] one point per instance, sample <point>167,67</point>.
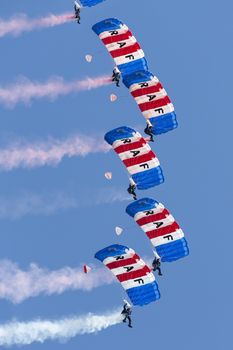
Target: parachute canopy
<point>141,162</point>
<point>160,227</point>
<point>152,100</point>
<point>89,3</point>
<point>132,272</point>
<point>122,45</point>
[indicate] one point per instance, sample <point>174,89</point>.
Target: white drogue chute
<point>118,230</point>
<point>113,97</point>
<point>108,175</point>
<point>88,58</point>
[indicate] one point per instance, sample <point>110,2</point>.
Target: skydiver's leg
<point>130,322</point>
<point>159,271</point>
<point>124,319</point>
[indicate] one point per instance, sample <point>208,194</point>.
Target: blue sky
<point>188,46</point>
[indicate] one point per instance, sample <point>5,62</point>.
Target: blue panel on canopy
<point>106,25</point>
<point>137,77</point>
<point>173,251</point>
<point>112,250</point>
<point>142,204</point>
<point>89,3</point>
<point>144,295</point>
<point>131,67</point>
<point>164,123</point>
<point>122,132</point>
<point>148,178</point>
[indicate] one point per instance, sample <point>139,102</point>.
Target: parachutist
<point>77,11</point>
<point>116,76</point>
<point>126,312</point>
<point>131,190</point>
<point>149,131</point>
<point>156,265</point>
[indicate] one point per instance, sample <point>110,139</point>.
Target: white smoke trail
<point>17,285</point>
<point>50,152</point>
<point>25,333</point>
<point>16,207</point>
<point>25,90</point>
<point>21,23</point>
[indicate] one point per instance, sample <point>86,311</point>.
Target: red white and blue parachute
<point>160,227</point>
<point>152,100</point>
<point>132,272</point>
<point>89,3</point>
<point>122,45</point>
<point>130,59</point>
<point>136,154</point>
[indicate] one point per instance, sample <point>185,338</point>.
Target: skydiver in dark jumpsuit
<point>131,190</point>
<point>149,130</point>
<point>156,266</point>
<point>77,13</point>
<point>126,312</point>
<point>116,76</point>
